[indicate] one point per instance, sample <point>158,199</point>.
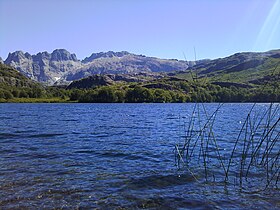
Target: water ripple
<point>113,156</point>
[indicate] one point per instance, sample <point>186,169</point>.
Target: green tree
<point>139,94</point>
<point>23,94</point>
<point>161,96</point>
<point>120,94</point>
<point>76,94</point>
<point>106,95</point>
<point>15,93</point>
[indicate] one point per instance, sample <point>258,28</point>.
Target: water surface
<point>110,156</point>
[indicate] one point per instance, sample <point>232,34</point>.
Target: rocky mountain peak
<point>16,56</point>
<point>108,54</point>
<point>42,56</point>
<point>1,60</point>
<point>62,55</point>
<point>43,67</point>
<point>27,55</point>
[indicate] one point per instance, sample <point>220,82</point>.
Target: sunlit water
<point>112,155</point>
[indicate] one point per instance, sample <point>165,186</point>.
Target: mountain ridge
<point>63,67</point>
<point>239,67</point>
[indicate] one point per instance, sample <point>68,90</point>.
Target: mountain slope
<point>240,68</point>
<point>110,79</point>
<point>9,77</point>
<point>13,84</point>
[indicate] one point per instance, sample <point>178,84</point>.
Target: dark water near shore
<point>110,156</point>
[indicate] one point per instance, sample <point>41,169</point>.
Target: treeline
<point>32,92</point>
<point>137,94</point>
<point>170,92</point>
<point>207,93</point>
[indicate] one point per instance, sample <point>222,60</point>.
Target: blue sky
<point>160,28</point>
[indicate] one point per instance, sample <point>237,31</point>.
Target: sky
<point>180,29</point>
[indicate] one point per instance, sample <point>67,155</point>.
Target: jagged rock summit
<point>62,67</point>
<point>43,67</point>
<point>109,54</point>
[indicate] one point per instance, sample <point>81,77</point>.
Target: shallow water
<point>109,156</point>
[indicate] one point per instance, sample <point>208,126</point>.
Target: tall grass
<point>252,160</point>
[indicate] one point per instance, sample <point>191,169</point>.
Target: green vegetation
<point>243,68</point>
<point>34,100</point>
<point>166,90</point>
<point>14,87</point>
<point>129,94</point>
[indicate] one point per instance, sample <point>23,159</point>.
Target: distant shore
<point>60,100</point>
<point>36,100</point>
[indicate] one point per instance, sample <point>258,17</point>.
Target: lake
<point>111,156</point>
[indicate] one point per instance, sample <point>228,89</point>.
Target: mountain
<point>245,67</point>
<point>43,67</point>
<point>123,63</point>
<point>1,60</point>
<point>61,67</point>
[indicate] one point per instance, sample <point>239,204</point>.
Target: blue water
<point>110,156</point>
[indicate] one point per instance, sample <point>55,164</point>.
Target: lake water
<point>111,156</point>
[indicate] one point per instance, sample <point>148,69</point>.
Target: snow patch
<point>57,78</point>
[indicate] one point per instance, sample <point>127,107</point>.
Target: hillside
<point>9,77</point>
<point>245,68</point>
<point>110,79</point>
<point>13,84</point>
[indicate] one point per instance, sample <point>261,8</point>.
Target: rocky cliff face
<point>44,67</point>
<point>62,67</point>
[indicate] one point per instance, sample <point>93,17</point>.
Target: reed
<point>252,162</point>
